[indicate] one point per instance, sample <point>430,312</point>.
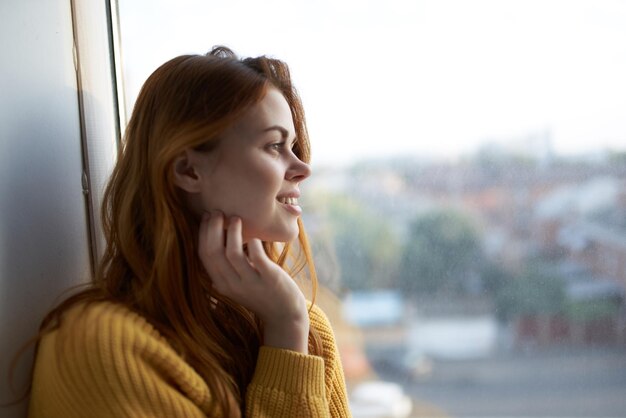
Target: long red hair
<point>150,263</point>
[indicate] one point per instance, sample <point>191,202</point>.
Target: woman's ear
<point>186,175</point>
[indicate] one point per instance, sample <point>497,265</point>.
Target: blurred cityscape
<point>490,286</point>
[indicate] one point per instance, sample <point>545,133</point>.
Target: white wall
<point>44,244</point>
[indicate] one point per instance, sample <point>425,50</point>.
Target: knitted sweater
<point>106,361</point>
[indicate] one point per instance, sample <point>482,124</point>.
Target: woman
<point>193,311</point>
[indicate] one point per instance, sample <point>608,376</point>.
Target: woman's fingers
<point>234,250</point>
<point>259,259</point>
<point>211,252</point>
<point>287,301</point>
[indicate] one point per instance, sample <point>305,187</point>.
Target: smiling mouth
<point>289,200</point>
<point>290,204</point>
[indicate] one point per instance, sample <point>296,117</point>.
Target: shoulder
<point>105,331</point>
<point>105,334</point>
<point>319,319</point>
<point>112,335</point>
<point>95,321</point>
<point>110,357</point>
<point>100,322</point>
<point>323,328</point>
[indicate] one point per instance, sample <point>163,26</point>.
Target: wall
<point>44,245</point>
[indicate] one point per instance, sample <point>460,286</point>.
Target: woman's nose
<point>298,170</point>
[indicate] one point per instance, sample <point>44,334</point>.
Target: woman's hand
<point>254,281</point>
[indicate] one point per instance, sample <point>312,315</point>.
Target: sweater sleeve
<point>289,384</point>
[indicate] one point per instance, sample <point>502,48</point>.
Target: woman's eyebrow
<point>283,132</point>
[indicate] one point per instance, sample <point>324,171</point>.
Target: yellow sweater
<point>106,361</point>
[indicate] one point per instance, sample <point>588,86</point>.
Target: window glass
<point>468,204</point>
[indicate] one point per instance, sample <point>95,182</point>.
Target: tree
<point>534,291</point>
<point>442,253</point>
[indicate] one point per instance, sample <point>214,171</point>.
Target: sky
<point>422,78</point>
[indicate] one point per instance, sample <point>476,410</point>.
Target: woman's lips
<point>290,204</point>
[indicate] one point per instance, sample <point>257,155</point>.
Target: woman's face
<point>254,174</point>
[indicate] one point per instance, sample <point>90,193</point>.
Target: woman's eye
<point>277,146</point>
<point>282,146</point>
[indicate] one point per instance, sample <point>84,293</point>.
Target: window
<point>468,191</point>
